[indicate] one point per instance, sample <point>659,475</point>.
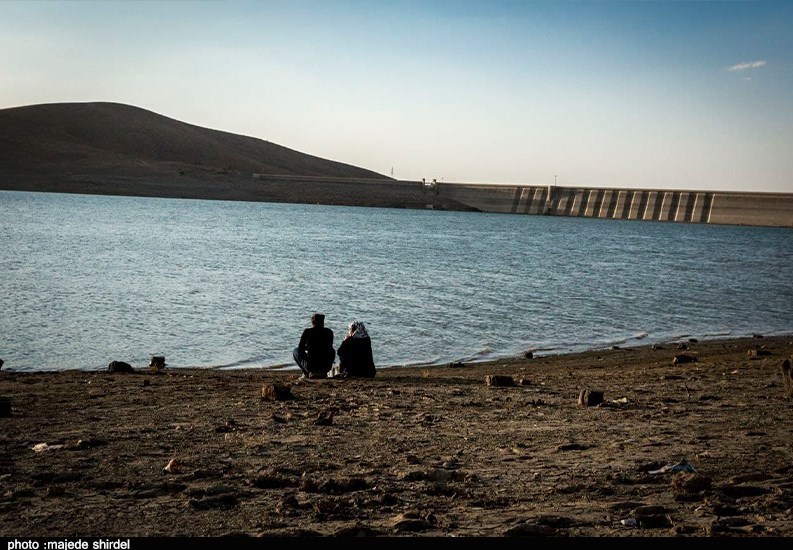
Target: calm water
<point>87,280</point>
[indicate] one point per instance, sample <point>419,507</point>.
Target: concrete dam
<point>713,207</point>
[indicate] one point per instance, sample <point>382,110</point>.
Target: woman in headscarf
<point>355,353</point>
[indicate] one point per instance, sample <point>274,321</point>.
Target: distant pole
<point>554,180</point>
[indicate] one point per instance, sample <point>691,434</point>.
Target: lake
<point>91,279</point>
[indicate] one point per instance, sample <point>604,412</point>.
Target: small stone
<point>590,398</point>
<point>276,392</point>
<point>499,380</point>
<point>683,358</point>
<point>120,366</point>
<point>5,407</point>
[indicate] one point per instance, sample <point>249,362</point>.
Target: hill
<point>116,149</point>
<point>83,137</point>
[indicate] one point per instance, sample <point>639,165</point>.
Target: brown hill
<point>116,149</point>
<point>121,139</point>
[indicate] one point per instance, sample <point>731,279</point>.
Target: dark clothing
<point>355,357</point>
<point>315,354</point>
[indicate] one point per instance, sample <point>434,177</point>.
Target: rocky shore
<point>686,439</point>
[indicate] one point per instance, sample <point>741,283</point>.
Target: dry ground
<point>417,452</point>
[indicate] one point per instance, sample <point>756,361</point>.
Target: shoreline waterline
<point>682,344</point>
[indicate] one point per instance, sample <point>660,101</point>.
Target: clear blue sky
<point>636,94</point>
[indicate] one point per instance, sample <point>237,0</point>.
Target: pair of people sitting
<point>315,354</point>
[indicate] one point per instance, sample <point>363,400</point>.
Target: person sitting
<point>315,354</point>
<point>355,353</point>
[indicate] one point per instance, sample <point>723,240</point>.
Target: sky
<point>630,94</point>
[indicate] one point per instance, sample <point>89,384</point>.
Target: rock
<point>226,500</point>
<point>277,392</point>
<point>755,353</point>
<point>683,358</point>
<point>157,363</point>
<point>410,521</point>
<point>5,407</point>
<point>654,521</point>
<point>690,484</point>
<point>528,355</point>
<point>273,480</point>
<point>172,467</point>
<point>1,363</point>
<point>455,365</point>
<point>532,530</point>
<point>325,418</point>
<point>334,486</point>
<point>681,345</point>
<point>590,398</point>
<point>120,366</point>
<point>787,378</point>
<point>499,380</point>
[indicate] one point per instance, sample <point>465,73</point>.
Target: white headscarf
<point>358,330</point>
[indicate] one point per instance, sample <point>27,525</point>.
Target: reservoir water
<point>85,280</point>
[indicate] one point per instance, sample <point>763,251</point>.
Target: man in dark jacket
<point>315,354</point>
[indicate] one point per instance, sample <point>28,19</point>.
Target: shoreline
<point>494,449</point>
<point>638,346</point>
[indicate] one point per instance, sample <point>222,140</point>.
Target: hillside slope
<point>118,140</point>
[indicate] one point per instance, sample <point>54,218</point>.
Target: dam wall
<point>714,207</point>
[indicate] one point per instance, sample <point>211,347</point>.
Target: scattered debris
<point>683,358</point>
<point>41,447</point>
<point>682,466</point>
